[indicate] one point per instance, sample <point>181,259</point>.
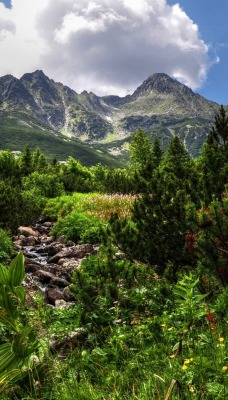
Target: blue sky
<point>111,46</point>
<point>211,16</point>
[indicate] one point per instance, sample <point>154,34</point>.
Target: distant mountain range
<point>44,113</point>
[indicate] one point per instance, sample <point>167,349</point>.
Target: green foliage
<point>9,167</point>
<point>32,205</point>
<point>45,185</point>
<point>19,343</point>
<point>140,149</point>
<point>76,178</point>
<point>152,318</point>
<point>25,161</point>
<point>10,205</point>
<point>214,159</point>
<point>79,228</point>
<point>188,297</point>
<point>6,246</point>
<point>211,241</point>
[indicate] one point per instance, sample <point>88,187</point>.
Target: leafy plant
<point>6,246</point>
<point>20,343</point>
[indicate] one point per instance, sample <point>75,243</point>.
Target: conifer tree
<point>25,161</point>
<point>156,233</point>
<point>214,159</point>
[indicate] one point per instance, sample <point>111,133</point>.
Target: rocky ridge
<point>161,105</point>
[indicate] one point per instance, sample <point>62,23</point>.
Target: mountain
<point>161,105</point>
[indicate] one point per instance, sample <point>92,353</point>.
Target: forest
<point>150,307</point>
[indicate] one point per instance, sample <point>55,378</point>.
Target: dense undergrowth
<point>150,317</point>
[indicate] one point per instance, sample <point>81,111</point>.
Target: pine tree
<point>156,233</point>
<point>214,159</point>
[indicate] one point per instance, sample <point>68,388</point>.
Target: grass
<point>133,351</point>
<point>91,204</point>
<point>144,336</point>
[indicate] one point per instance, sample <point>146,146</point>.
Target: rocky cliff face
<point>161,105</point>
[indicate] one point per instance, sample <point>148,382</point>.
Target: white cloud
<point>106,46</point>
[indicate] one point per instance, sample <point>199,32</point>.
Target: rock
<point>78,251</point>
<point>32,267</point>
<point>41,250</point>
<point>27,231</point>
<point>60,282</point>
<point>48,239</point>
<point>18,245</point>
<point>54,248</point>
<point>70,243</point>
<point>45,276</point>
<point>68,295</point>
<point>48,224</point>
<point>78,335</point>
<point>62,239</point>
<point>72,340</point>
<point>71,264</point>
<point>62,254</point>
<point>54,294</point>
<point>62,304</point>
<point>30,241</point>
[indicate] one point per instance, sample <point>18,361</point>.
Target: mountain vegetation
<point>149,310</point>
<point>37,111</point>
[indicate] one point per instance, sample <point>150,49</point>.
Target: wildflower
<point>225,368</point>
<point>163,325</point>
<point>170,329</point>
<point>172,356</point>
<point>210,317</point>
<point>187,361</point>
<point>191,388</point>
<point>221,339</point>
<point>184,367</point>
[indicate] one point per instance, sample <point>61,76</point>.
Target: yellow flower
<point>191,359</point>
<point>191,388</point>
<point>184,367</point>
<point>172,356</point>
<point>225,368</point>
<point>170,329</point>
<point>221,339</point>
<point>187,361</point>
<point>163,325</point>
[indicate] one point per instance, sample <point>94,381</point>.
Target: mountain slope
<point>161,105</point>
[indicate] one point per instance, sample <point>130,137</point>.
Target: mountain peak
<point>37,75</point>
<point>161,83</point>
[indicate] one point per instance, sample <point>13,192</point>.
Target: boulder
<point>31,267</point>
<point>54,294</point>
<point>54,248</point>
<point>62,304</point>
<point>45,276</point>
<point>60,282</point>
<point>30,241</point>
<point>27,231</point>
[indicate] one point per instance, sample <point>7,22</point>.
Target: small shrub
<point>79,228</point>
<point>6,246</point>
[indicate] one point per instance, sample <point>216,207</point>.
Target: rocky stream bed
<point>49,263</point>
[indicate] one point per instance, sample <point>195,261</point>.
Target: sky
<point>112,46</point>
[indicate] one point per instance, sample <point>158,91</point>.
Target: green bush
<point>79,228</point>
<point>46,185</point>
<point>6,246</point>
<point>32,206</point>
